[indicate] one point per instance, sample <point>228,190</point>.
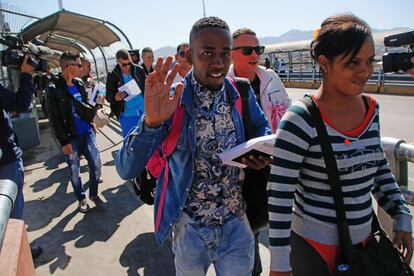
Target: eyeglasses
<point>125,64</point>
<point>182,54</point>
<point>247,50</point>
<point>76,64</point>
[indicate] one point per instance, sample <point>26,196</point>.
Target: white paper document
<point>93,92</point>
<point>131,88</point>
<point>263,145</point>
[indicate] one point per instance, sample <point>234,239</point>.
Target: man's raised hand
<point>159,105</point>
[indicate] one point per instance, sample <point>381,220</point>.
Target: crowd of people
<point>199,200</point>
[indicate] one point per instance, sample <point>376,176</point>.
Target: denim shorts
<point>229,247</point>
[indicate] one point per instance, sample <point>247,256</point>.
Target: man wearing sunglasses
<point>127,112</point>
<point>269,89</point>
<point>270,94</point>
<point>180,58</point>
<point>71,116</point>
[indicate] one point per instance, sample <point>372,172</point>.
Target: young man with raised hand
<point>203,204</point>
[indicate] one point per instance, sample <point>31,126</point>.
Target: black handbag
<point>255,181</point>
<point>376,258</point>
<point>144,186</point>
<point>254,193</point>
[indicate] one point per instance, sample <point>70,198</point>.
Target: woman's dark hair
<point>340,34</point>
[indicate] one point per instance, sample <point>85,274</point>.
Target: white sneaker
<point>83,206</point>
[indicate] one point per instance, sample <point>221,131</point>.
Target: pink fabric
<point>277,113</point>
<point>239,100</point>
<point>157,162</point>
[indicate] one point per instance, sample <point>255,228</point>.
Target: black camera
<point>14,54</point>
<point>394,62</point>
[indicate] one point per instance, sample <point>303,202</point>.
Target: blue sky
<point>158,23</point>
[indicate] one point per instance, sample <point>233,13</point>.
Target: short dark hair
<point>340,34</point>
<point>67,57</point>
<point>146,50</point>
<point>182,45</point>
<point>243,31</point>
<point>208,22</point>
<point>84,60</point>
<point>122,54</point>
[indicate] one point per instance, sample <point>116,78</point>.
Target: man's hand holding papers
<point>131,88</point>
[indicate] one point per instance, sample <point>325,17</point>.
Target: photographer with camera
<point>11,163</point>
<point>399,61</point>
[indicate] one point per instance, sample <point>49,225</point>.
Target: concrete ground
<point>116,241</point>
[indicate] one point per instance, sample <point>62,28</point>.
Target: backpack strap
<point>242,86</point>
<point>158,160</point>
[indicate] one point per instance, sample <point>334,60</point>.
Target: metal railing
<point>8,193</point>
<point>398,154</point>
<point>313,74</point>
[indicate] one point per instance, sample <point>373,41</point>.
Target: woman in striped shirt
<point>303,233</point>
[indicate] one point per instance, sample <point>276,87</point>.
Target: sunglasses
<point>247,50</point>
<point>76,64</point>
<point>182,54</point>
<point>125,64</point>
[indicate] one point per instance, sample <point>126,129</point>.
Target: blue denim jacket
<point>142,141</point>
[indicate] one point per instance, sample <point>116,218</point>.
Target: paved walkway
<point>116,241</point>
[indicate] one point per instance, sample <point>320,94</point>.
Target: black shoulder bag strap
<point>243,86</point>
<point>333,177</point>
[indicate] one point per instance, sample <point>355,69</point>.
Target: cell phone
<point>253,152</point>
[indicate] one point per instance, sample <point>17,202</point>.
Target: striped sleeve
<point>389,197</point>
<point>292,143</point>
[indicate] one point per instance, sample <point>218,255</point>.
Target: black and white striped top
<point>298,179</point>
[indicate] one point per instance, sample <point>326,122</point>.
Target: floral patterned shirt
<point>217,188</point>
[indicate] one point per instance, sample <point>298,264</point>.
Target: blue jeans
<point>127,123</point>
<point>15,172</point>
<point>85,144</point>
<point>230,247</point>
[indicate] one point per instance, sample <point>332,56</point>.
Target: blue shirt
<point>80,125</point>
<point>135,106</point>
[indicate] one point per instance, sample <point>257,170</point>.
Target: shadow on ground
<point>144,254</point>
<point>96,225</point>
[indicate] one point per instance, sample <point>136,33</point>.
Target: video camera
<point>394,62</point>
<point>14,54</point>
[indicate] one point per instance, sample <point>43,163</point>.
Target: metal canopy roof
<point>63,44</point>
<point>65,30</point>
<point>89,31</point>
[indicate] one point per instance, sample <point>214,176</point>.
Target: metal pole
<point>60,5</point>
<point>204,9</point>
<point>8,193</point>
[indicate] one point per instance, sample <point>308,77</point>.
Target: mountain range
<point>291,35</point>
